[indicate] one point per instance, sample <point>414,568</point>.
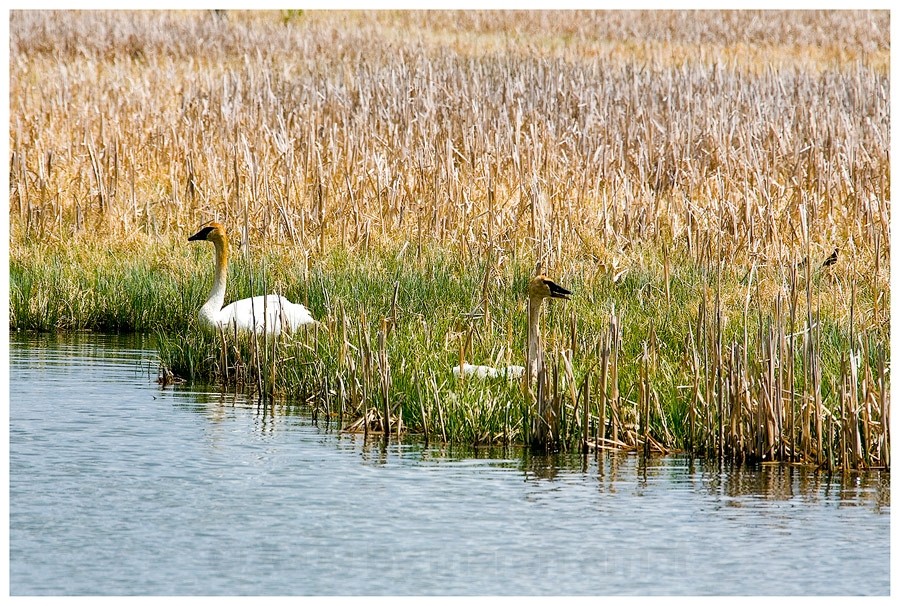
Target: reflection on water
<point>767,482</point>
<point>118,486</point>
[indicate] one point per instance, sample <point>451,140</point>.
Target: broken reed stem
<point>644,401</point>
<point>384,373</point>
<point>614,344</point>
<point>604,374</point>
<point>586,412</point>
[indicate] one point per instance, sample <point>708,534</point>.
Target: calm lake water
<point>118,486</point>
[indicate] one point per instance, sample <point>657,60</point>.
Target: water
<point>119,486</point>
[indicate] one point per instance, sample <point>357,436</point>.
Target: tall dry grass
<point>335,129</point>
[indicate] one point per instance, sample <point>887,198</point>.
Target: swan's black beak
<point>201,235</point>
<point>557,291</point>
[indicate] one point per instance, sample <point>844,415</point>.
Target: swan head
<point>211,231</point>
<point>542,287</point>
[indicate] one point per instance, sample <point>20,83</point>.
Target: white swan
<point>541,287</point>
<point>263,314</point>
<point>489,372</point>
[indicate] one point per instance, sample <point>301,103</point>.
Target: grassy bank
<point>686,372</point>
<point>686,174</point>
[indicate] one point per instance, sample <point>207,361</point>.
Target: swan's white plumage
<point>489,372</point>
<point>272,313</point>
<point>264,314</point>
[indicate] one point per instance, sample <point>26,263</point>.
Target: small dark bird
<point>832,259</point>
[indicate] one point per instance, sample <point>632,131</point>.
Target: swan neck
<point>534,333</point>
<point>217,294</point>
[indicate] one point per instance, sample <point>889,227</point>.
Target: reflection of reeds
<point>691,201</point>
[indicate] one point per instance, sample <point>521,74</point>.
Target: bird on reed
<point>539,288</point>
<point>831,260</point>
<point>828,262</point>
<point>265,314</point>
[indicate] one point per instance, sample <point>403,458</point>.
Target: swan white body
<point>270,313</point>
<point>489,372</point>
<point>264,314</point>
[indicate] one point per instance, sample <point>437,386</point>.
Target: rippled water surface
<point>118,486</point>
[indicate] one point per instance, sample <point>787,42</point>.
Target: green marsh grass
<point>394,324</point>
